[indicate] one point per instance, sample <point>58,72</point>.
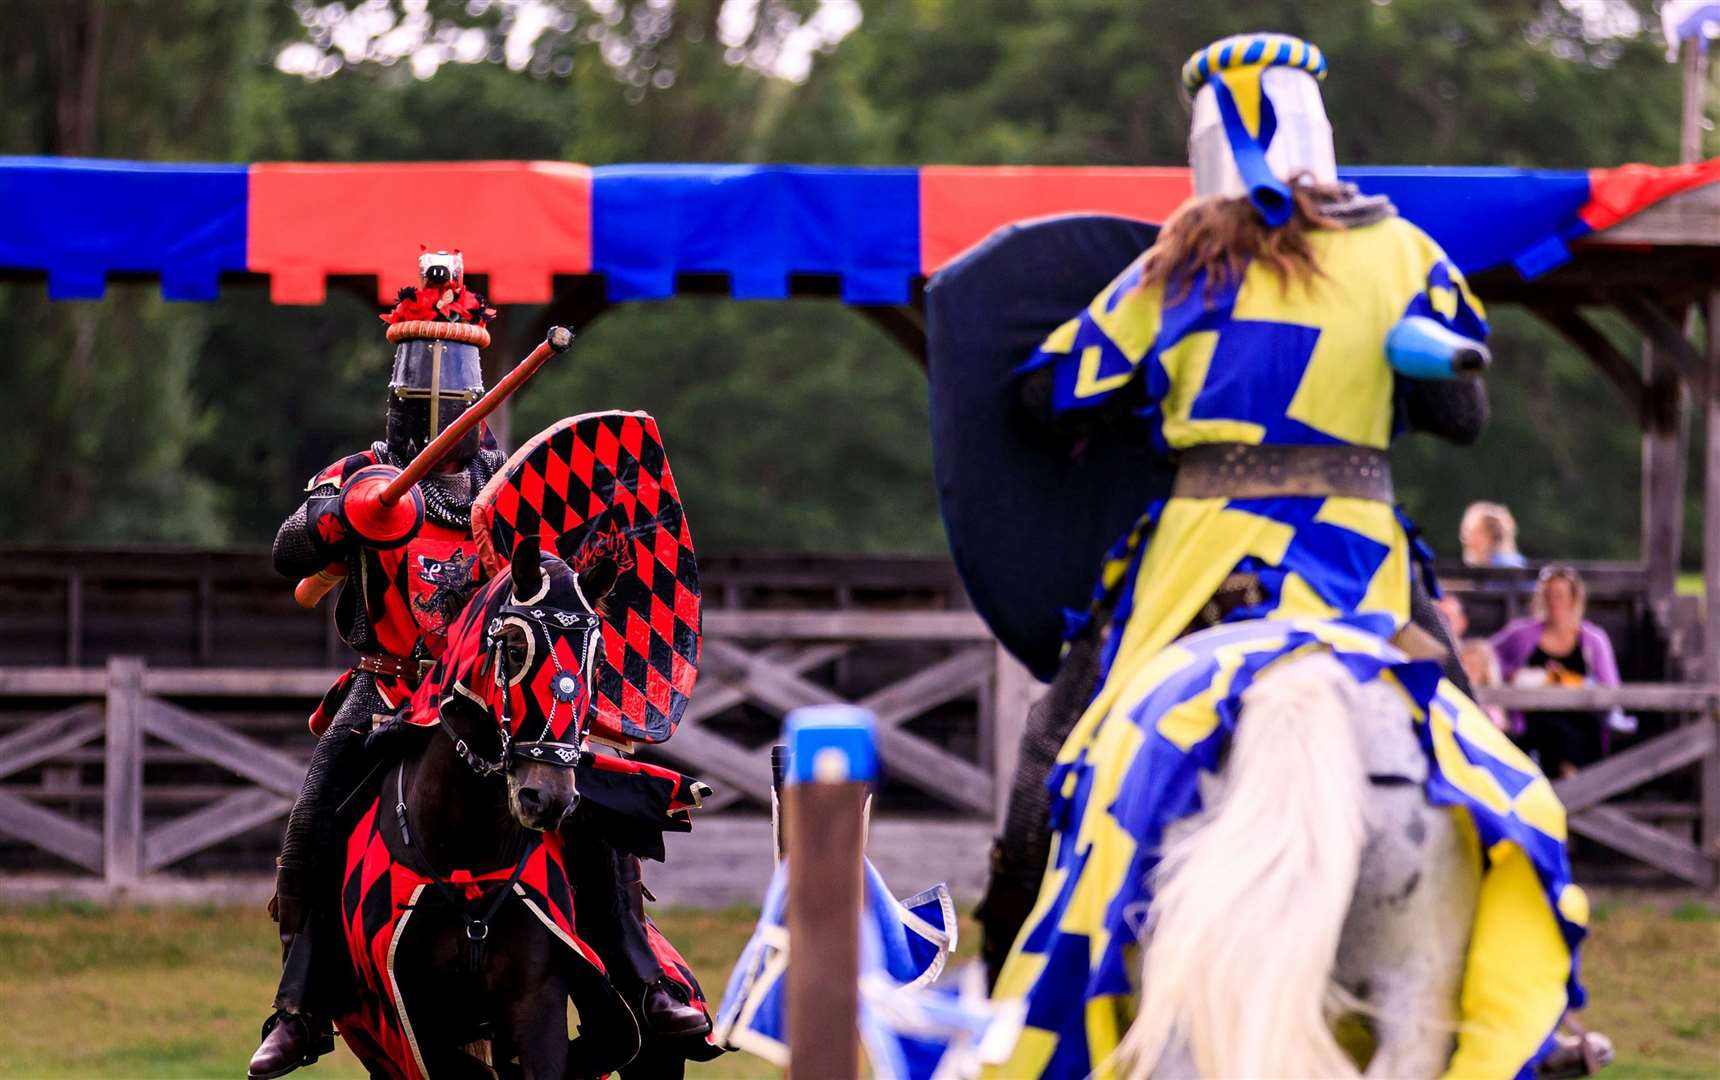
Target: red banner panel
<point>961,205</point>
<point>518,222</point>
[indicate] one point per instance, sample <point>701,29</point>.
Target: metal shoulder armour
<point>337,473</point>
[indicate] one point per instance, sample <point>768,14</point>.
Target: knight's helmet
<point>1258,121</point>
<point>437,329</point>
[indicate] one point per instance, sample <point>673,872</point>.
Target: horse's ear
<point>527,574</point>
<point>596,580</point>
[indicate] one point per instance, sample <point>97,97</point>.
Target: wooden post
<point>122,832</point>
<point>1708,802</point>
<point>1665,437</point>
<point>832,762</point>
<point>1711,501</point>
<point>74,619</point>
<point>1695,91</point>
<point>1708,793</point>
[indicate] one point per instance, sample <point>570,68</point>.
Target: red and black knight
<point>408,571</point>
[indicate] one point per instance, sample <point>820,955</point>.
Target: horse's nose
<point>533,801</point>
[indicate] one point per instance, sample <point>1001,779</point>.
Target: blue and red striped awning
<point>523,222</point>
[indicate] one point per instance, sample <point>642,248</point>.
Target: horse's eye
<point>516,654</point>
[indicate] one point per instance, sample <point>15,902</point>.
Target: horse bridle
<point>564,686</point>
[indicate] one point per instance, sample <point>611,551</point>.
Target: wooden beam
<point>1648,697</point>
<point>729,766</point>
<point>52,682</point>
<point>931,768</point>
<point>905,324</point>
<point>1661,850</point>
<point>847,625</point>
<point>717,694</point>
<point>122,828</point>
<point>262,765</point>
<point>1641,763</point>
<point>1688,219</point>
<point>1664,332</point>
<point>51,832</point>
<point>50,737</point>
<point>237,813</point>
<point>1582,334</point>
<point>240,682</point>
<point>953,677</point>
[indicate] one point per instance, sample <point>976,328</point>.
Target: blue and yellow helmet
<point>1258,121</point>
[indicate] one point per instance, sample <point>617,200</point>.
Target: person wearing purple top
<point>1558,647</point>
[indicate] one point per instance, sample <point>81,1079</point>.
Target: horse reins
<point>478,927</point>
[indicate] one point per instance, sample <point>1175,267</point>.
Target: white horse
<point>1316,882</point>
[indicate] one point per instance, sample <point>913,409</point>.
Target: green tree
<point>792,426</point>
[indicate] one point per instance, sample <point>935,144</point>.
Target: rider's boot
<point>664,1005</point>
<point>291,1037</point>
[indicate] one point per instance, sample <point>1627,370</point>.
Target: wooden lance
<point>311,590</point>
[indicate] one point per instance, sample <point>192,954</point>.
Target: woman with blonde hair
<point>1488,534</point>
<point>1556,646</point>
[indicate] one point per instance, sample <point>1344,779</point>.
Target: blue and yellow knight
<point>1251,337</point>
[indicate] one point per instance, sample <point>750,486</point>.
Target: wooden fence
<point>92,778</point>
<point>129,771</point>
<point>152,731</point>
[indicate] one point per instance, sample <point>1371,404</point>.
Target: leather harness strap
<point>1243,471</point>
<point>398,666</point>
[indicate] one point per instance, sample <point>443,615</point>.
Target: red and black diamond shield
<point>598,486</point>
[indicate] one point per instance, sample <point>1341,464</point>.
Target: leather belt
<point>1242,471</point>
<point>398,666</point>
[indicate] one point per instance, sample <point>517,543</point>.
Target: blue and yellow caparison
<point>1262,360</point>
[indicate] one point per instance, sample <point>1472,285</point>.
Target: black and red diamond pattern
<point>600,484</point>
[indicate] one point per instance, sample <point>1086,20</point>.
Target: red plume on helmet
<point>440,296</point>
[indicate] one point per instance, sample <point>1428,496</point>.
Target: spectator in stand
<point>1488,535</point>
<point>1557,647</point>
<point>1481,664</point>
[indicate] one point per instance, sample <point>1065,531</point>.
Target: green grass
<point>179,992</point>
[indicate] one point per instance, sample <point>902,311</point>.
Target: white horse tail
<point>1252,894</point>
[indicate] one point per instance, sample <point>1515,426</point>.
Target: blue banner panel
<point>1484,217</point>
<point>758,224</point>
<point>79,220</point>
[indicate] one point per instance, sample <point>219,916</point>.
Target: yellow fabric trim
<point>1539,808</point>
<point>1133,324</point>
<point>1062,339</point>
<point>1185,364</point>
<point>1195,432</point>
<point>1514,977</point>
<point>1087,380</point>
<point>1389,587</point>
<point>1296,599</point>
<point>1374,520</point>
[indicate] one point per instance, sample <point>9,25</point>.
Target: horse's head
<point>528,644</point>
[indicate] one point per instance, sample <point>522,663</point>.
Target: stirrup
<point>318,1038</point>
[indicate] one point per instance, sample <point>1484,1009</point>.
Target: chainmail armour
<point>309,846</point>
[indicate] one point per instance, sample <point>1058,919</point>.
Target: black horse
<point>456,901</point>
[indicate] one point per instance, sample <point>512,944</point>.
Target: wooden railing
<point>190,759</point>
<point>144,729</point>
